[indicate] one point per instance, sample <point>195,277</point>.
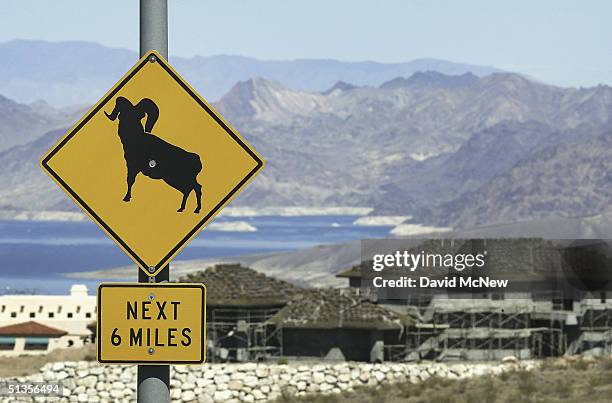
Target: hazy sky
<point>557,41</point>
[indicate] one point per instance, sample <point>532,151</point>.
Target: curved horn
<point>120,104</point>
<point>148,106</point>
<point>113,115</point>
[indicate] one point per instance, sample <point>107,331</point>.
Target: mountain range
<point>459,151</point>
<point>67,73</point>
<point>453,151</point>
<point>21,123</point>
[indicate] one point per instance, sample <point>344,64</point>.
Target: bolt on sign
<point>152,163</point>
<point>156,323</point>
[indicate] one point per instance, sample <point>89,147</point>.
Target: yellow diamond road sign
<point>151,323</point>
<point>152,163</point>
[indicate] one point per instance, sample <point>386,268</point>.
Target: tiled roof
<point>337,308</point>
<point>234,285</point>
<point>31,328</point>
<point>353,272</point>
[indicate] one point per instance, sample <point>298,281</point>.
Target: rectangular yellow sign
<point>149,323</point>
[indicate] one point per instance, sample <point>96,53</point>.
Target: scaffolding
<point>241,334</point>
<point>595,329</point>
<point>483,329</point>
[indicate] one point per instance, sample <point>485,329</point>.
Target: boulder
<point>57,366</point>
<point>509,359</point>
<point>259,394</point>
<point>188,386</point>
<point>379,376</point>
<point>235,385</point>
<point>222,395</point>
<point>89,381</point>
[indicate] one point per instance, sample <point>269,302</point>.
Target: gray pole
<point>154,380</point>
<point>154,26</point>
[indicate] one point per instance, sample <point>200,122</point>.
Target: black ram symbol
<point>154,157</point>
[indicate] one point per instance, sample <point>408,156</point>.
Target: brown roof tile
<point>337,308</point>
<point>353,272</point>
<point>234,285</point>
<point>31,328</point>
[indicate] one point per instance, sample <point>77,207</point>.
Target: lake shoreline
<point>69,252</point>
<point>279,211</point>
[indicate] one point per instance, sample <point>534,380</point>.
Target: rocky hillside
<point>455,151</point>
<point>564,180</point>
<point>20,123</point>
<point>412,144</point>
<point>23,185</point>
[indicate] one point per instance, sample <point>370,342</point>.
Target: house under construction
<point>338,324</point>
<point>539,317</point>
<point>251,316</point>
<point>239,303</point>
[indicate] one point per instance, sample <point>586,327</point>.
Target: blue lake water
<point>34,255</point>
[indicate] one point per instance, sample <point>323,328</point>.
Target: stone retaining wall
<point>90,382</point>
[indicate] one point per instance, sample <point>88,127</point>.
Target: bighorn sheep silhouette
<point>154,157</point>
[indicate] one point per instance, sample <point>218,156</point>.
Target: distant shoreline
<point>282,211</point>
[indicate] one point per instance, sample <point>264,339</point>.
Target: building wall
<point>61,342</point>
<point>71,312</point>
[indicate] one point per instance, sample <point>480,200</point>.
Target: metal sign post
<point>153,384</point>
<point>154,27</point>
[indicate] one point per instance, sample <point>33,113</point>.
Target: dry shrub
<point>566,381</point>
<point>31,364</point>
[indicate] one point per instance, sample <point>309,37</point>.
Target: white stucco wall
<point>61,342</point>
<point>71,312</point>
